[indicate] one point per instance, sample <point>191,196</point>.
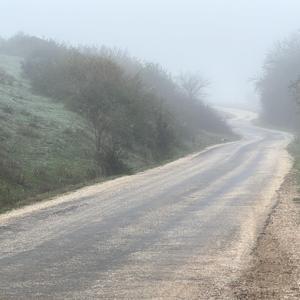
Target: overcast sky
<point>224,40</point>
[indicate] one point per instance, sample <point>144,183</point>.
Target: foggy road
<point>183,230</point>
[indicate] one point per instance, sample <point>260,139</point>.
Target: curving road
<point>183,230</point>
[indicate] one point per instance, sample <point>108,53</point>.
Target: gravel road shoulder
<point>274,271</point>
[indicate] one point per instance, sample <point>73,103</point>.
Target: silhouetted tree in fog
<point>277,86</point>
<point>192,85</point>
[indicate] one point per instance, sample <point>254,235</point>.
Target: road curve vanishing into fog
<point>183,230</point>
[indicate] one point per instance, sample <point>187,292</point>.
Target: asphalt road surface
<point>183,230</point>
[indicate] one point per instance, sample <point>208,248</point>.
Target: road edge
<point>274,271</point>
<point>74,194</point>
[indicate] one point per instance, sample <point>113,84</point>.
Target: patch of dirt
<point>274,272</point>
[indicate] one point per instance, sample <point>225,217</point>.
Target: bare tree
<point>192,84</point>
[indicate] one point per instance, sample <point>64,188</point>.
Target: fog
<point>224,41</point>
<point>149,149</point>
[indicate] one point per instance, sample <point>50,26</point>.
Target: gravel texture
<point>274,272</point>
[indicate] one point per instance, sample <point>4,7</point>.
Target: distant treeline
<point>130,105</point>
<point>279,86</point>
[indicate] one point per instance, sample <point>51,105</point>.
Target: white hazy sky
<point>224,40</point>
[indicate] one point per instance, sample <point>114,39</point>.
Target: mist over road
<point>181,230</point>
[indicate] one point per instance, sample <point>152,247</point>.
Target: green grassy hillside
<point>45,147</point>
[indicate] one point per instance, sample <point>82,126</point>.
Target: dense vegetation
<point>280,90</point>
<point>69,115</point>
<point>279,85</point>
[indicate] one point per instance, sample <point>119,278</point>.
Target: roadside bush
<point>112,161</point>
<point>119,114</point>
<point>123,99</point>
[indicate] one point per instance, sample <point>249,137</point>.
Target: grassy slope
<point>39,141</point>
<point>45,147</point>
